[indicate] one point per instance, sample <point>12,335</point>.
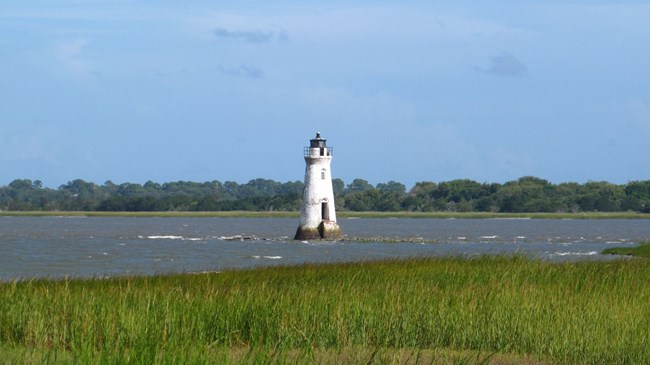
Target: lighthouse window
<point>322,174</point>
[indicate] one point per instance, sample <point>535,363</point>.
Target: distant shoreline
<point>341,215</point>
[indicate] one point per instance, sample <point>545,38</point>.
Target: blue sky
<point>131,91</point>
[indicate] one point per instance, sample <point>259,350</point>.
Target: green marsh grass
<point>642,250</point>
<point>413,311</point>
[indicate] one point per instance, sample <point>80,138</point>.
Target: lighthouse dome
<point>318,142</point>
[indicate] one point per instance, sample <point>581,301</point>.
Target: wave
<point>171,237</point>
<point>238,237</point>
<point>266,257</point>
<point>591,253</point>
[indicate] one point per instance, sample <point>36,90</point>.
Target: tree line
<point>525,195</point>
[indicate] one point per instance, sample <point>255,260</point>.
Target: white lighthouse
<point>318,216</point>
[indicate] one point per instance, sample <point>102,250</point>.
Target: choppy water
<point>84,247</point>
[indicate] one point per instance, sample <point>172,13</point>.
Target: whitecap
<point>171,237</point>
<point>165,237</point>
<point>489,237</point>
<point>591,253</point>
<point>237,237</point>
<point>272,257</point>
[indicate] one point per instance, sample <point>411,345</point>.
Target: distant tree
<point>527,194</point>
<point>291,188</point>
<point>338,186</point>
<point>20,195</point>
<point>390,201</point>
<point>109,188</point>
<point>80,195</point>
<point>358,186</point>
<point>364,200</point>
<point>601,196</point>
<point>566,196</point>
<point>21,185</point>
<point>421,197</point>
<point>637,196</point>
<point>79,189</point>
<point>129,190</point>
<point>231,189</point>
<point>152,189</point>
<point>391,186</point>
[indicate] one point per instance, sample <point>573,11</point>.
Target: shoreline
<point>341,215</point>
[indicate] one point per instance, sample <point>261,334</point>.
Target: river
<point>56,247</point>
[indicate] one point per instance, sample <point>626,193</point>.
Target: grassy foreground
<point>490,309</point>
<point>342,214</point>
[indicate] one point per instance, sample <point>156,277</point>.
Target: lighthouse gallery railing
<point>325,151</point>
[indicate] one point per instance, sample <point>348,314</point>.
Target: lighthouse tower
<point>318,217</point>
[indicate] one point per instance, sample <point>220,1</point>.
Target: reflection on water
<point>58,247</point>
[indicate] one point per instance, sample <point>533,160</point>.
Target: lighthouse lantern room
<point>318,216</point>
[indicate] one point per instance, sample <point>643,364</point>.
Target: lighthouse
<point>318,216</point>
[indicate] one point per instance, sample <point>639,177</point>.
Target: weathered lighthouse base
<point>329,230</point>
<point>326,230</point>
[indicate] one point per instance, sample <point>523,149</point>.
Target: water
<point>84,247</point>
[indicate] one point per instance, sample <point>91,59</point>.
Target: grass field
<point>344,214</point>
<point>486,310</point>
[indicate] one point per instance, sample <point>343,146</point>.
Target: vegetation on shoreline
<point>642,250</point>
<point>524,195</point>
<point>375,312</point>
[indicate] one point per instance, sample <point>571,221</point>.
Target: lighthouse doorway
<point>325,211</point>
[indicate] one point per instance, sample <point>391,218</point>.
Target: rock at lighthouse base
<point>304,233</point>
<point>327,230</point>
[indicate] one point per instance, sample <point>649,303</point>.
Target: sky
<point>132,91</point>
